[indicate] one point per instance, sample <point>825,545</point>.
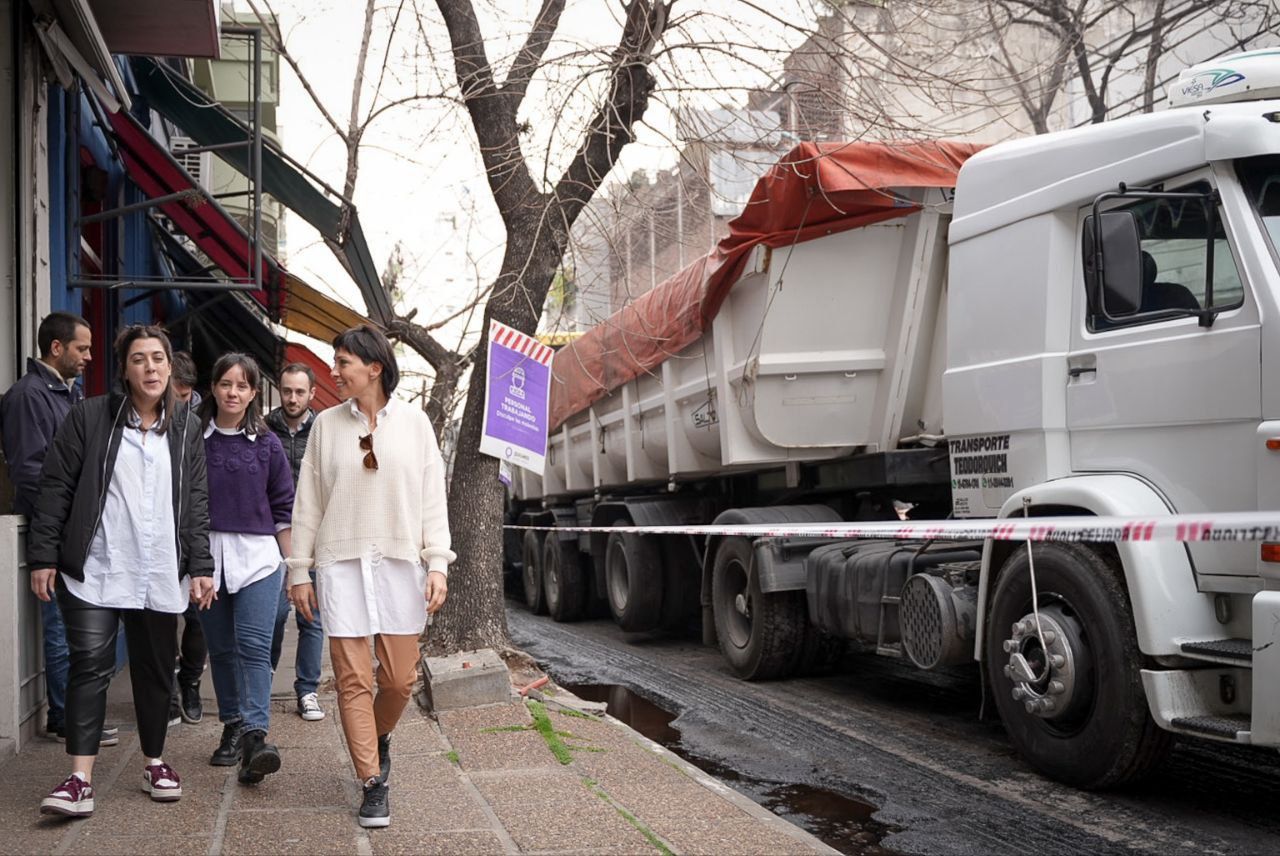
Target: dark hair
<point>124,341</point>
<point>184,368</point>
<point>252,421</point>
<point>370,344</point>
<point>58,327</point>
<point>299,368</point>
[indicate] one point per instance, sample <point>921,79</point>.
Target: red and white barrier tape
<point>1232,526</point>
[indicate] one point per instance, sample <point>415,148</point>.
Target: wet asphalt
<point>912,745</point>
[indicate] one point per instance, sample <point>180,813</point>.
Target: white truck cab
<point>1107,354</point>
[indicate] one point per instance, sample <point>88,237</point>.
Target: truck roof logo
<point>1216,77</point>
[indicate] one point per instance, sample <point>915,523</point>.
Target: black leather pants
<point>91,640</point>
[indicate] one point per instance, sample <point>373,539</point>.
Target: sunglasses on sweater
<point>370,459</point>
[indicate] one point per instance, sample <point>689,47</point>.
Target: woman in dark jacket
<point>121,534</point>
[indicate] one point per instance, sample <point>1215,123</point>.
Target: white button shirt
<point>133,560</point>
<point>373,594</point>
<point>239,559</point>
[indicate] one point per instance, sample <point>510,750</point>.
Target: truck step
<point>1235,727</point>
<point>1235,652</point>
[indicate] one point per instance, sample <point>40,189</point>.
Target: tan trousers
<point>365,717</point>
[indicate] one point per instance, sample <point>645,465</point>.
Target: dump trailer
<point>1070,324</point>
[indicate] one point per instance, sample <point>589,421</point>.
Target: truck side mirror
<point>1112,263</point>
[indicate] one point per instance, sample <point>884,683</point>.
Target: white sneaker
<point>309,708</point>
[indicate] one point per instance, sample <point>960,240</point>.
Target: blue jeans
<point>237,628</point>
<point>310,645</point>
<point>57,663</point>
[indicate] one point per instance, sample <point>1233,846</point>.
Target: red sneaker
<point>161,782</point>
<point>72,798</point>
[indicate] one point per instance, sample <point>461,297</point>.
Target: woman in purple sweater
<point>250,506</point>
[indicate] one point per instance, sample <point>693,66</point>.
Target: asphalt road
<point>912,744</point>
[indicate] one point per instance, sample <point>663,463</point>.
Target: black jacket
<point>295,445</point>
<point>30,414</point>
<point>77,472</point>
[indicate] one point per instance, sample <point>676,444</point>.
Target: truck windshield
<point>1261,179</point>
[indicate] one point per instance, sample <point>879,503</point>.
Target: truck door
<point>1166,399</point>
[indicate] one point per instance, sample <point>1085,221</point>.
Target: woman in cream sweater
<point>370,517</point>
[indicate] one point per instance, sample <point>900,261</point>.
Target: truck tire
<point>564,583</point>
<point>531,572</point>
<point>761,635</point>
<point>633,579</point>
<point>1099,733</point>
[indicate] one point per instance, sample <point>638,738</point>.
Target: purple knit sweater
<point>250,484</point>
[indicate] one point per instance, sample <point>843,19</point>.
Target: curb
<point>706,780</point>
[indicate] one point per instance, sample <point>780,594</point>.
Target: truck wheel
<point>531,572</point>
<point>1084,720</point>
<point>564,584</point>
<point>633,579</point>
<point>761,635</point>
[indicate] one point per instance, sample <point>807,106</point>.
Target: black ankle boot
<point>228,752</point>
<point>192,709</point>
<point>258,758</point>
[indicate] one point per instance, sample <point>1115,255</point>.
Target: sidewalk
<point>484,780</point>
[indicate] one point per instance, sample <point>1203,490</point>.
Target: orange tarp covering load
<point>816,189</point>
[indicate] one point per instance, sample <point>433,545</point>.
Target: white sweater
<point>342,510</point>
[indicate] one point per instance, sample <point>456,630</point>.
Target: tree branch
<point>494,122</point>
<point>631,83</point>
<point>272,29</point>
<point>530,56</point>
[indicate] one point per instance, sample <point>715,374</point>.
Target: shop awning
<point>307,311</point>
<point>202,219</point>
<point>210,124</point>
<point>75,47</point>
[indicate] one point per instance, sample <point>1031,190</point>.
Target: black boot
<point>258,758</point>
<point>192,708</point>
<point>375,810</point>
<point>384,755</point>
<point>228,752</point>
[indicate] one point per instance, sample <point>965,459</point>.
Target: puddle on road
<point>839,821</point>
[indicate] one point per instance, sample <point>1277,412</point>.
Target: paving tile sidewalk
<point>484,780</point>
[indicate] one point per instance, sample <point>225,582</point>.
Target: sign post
<point>516,399</point>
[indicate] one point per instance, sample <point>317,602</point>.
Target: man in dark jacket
<point>291,422</point>
<point>30,414</point>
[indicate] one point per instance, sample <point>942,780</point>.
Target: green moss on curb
<point>453,758</point>
<point>639,824</point>
<point>542,724</point>
<point>576,714</point>
<point>504,729</point>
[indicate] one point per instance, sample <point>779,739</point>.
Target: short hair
<point>299,368</point>
<point>184,369</point>
<point>371,345</point>
<point>58,327</point>
<point>124,341</point>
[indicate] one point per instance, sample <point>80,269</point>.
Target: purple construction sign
<point>516,398</point>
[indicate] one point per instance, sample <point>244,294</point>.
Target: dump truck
<point>1071,324</point>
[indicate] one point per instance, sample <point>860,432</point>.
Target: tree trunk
<point>474,616</point>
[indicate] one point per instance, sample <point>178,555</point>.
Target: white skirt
<point>371,595</point>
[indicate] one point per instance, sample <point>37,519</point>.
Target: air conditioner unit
<point>198,165</point>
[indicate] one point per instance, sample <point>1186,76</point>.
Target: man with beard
<point>291,422</point>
